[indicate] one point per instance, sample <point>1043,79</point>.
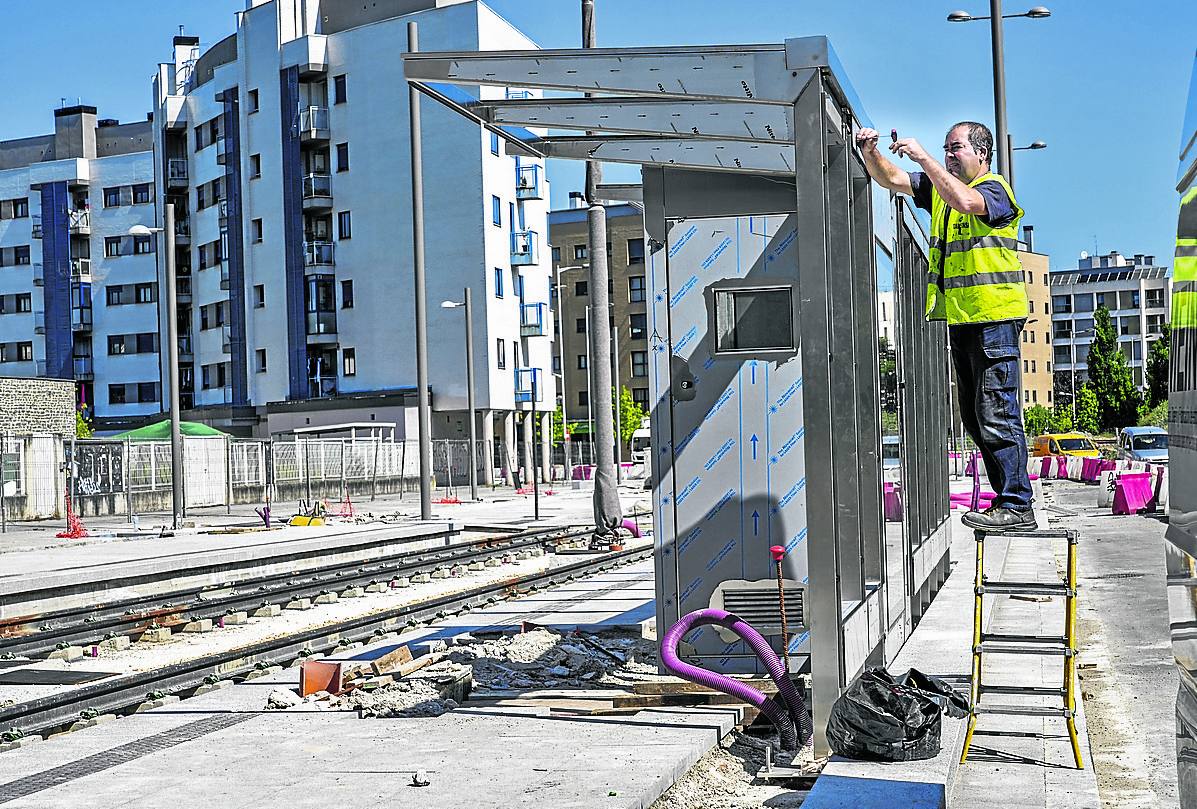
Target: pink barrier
<point>1062,467</point>
<point>1089,467</point>
<point>582,472</point>
<point>1045,468</point>
<point>893,503</point>
<point>1132,492</point>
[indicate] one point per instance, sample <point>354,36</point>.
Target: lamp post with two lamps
<point>172,339</point>
<point>467,302</point>
<point>995,18</point>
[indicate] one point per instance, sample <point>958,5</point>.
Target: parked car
<point>1148,444</point>
<point>1075,444</point>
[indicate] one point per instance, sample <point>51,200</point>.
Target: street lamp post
<point>172,339</point>
<point>1012,149</point>
<point>467,302</point>
<point>1002,144</point>
<point>424,402</point>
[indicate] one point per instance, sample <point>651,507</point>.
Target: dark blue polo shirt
<point>997,201</point>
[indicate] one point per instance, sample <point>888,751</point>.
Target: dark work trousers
<point>989,380</point>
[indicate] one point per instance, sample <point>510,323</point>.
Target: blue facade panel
<point>293,234</point>
<point>235,247</point>
<point>56,291</point>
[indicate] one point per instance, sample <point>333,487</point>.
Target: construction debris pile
<point>543,658</point>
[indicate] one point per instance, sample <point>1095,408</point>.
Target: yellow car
<point>1075,444</point>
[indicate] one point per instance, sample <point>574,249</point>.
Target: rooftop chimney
<point>75,132</point>
<point>1028,237</point>
<point>577,199</point>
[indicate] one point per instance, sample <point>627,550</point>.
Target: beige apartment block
<point>1037,334</point>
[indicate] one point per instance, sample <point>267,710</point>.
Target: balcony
<point>183,232</point>
<point>224,213</point>
<point>222,150</point>
<point>313,125</point>
<point>528,387</point>
<point>81,269</point>
<point>523,247</point>
<point>186,352</point>
<point>84,369</point>
<point>79,222</point>
<point>317,192</point>
<point>39,275</point>
<point>226,338</point>
<point>320,387</point>
<point>183,288</point>
<point>176,172</point>
<point>321,327</point>
<point>318,254</point>
<point>81,317</point>
<point>224,275</point>
<point>532,319</point>
<point>37,226</point>
<point>39,322</point>
<point>527,183</point>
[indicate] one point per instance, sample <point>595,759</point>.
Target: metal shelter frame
<point>758,130</point>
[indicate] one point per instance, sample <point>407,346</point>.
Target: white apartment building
<point>78,294</point>
<point>284,148</point>
<point>1136,290</point>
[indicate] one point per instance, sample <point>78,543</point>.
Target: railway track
<point>122,694</point>
<point>36,636</point>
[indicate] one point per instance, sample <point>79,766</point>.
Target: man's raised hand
<point>911,148</point>
<point>866,139</point>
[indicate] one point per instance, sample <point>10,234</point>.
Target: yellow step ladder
<point>1063,645</point>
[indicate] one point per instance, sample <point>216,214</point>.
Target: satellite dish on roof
<point>1084,254</point>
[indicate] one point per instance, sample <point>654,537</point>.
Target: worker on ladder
<point>975,282</point>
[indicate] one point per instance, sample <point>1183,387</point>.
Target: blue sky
<point>1101,81</point>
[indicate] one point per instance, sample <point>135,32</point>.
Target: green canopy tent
<point>160,431</point>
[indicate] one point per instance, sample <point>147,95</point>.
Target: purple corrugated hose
<point>794,727</point>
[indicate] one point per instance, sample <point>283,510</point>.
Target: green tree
<point>1157,368</point>
<point>1118,401</point>
<point>1036,419</point>
<point>631,414</point>
<point>82,426</point>
<point>1087,409</point>
<point>1061,420</point>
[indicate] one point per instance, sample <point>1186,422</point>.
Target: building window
<point>640,397</point>
<point>636,251</point>
<point>259,296</point>
<point>112,246</point>
<point>342,157</point>
<point>346,294</point>
<point>517,283</point>
<point>348,361</point>
<point>494,143</point>
<point>639,326</point>
<point>581,363</point>
<point>581,289</point>
<point>260,356</point>
<point>146,293</point>
<point>14,208</point>
<point>254,106</point>
<point>496,211</point>
<point>580,325</point>
<point>147,392</point>
<point>143,245</point>
<point>556,255</point>
<point>498,282</point>
<point>579,252</point>
<point>255,230</point>
<point>501,354</point>
<point>583,399</point>
<point>255,166</point>
<point>115,295</point>
<point>345,225</point>
<point>143,193</point>
<point>339,96</point>
<point>116,394</point>
<point>639,363</point>
<point>1032,337</point>
<point>556,364</point>
<point>112,197</point>
<point>116,344</point>
<point>1026,366</point>
<point>636,289</point>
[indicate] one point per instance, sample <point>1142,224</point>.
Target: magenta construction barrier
<point>893,503</point>
<point>1132,492</point>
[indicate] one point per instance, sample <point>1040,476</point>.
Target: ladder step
<point>1027,588</point>
<point>1007,647</point>
<point>1001,637</point>
<point>1036,533</point>
<point>1036,690</point>
<point>1022,710</point>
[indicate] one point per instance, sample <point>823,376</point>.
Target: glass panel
<point>754,320</point>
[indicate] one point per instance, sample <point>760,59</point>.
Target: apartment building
<point>1036,348</point>
<point>285,150</point>
<point>568,234</point>
<point>1136,290</point>
<point>78,294</point>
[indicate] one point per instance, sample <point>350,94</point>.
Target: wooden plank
<point>686,687</point>
<point>390,660</point>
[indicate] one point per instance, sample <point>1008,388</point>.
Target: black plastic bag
<point>885,718</point>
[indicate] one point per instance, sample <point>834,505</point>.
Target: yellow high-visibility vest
<point>1184,270</point>
<point>974,275</point>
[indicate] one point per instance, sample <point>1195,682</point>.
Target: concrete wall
<point>37,405</point>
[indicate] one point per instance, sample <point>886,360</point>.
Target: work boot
<point>1001,518</point>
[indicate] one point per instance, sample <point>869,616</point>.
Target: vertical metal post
<point>1001,144</point>
<point>561,352</point>
<point>172,339</point>
<point>228,474</point>
<point>534,465</point>
<point>473,454</point>
<point>589,390</point>
<point>1009,172</point>
<point>618,403</point>
<point>417,218</point>
<point>374,471</point>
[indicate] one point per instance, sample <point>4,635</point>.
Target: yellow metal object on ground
<point>304,519</point>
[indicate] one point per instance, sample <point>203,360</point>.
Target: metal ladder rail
<point>1065,645</point>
